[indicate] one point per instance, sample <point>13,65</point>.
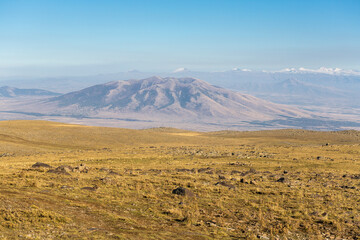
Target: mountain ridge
<point>186,97</point>
<point>11,92</point>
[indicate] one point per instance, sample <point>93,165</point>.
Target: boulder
<point>183,192</point>
<point>40,164</point>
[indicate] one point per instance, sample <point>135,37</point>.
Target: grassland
<point>118,183</point>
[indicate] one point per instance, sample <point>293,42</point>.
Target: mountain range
<point>11,92</point>
<point>188,103</point>
<point>186,98</point>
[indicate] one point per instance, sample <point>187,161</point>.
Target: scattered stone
<point>182,219</point>
<point>260,193</point>
<point>206,170</point>
<point>105,179</point>
<point>225,184</point>
<point>81,169</point>
<point>211,224</point>
<point>104,170</point>
<point>40,164</point>
<point>355,176</point>
<point>237,163</point>
<point>186,170</point>
<point>315,213</point>
<point>93,229</point>
<point>348,187</point>
<point>114,173</point>
<point>282,179</point>
<point>252,170</point>
<point>183,192</point>
<point>94,188</point>
<point>5,154</point>
<point>64,169</point>
<point>66,187</point>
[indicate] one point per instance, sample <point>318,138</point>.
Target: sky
<point>67,37</point>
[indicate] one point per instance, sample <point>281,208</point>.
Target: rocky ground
<point>173,184</point>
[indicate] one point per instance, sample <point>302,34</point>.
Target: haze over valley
<point>324,99</point>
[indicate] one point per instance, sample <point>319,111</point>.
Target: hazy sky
<point>52,37</point>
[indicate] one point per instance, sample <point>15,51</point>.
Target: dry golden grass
<point>285,184</point>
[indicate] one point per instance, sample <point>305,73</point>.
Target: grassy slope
<point>319,198</point>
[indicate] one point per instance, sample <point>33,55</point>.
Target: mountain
<point>293,87</point>
<point>296,87</point>
<point>173,98</point>
<point>295,92</point>
<point>323,70</point>
<point>11,92</point>
<point>185,102</point>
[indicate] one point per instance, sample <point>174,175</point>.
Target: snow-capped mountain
<point>323,70</point>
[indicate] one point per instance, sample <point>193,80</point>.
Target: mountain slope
<point>173,97</point>
<point>10,92</point>
<point>293,91</point>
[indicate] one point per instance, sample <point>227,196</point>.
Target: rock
<point>282,179</point>
<point>40,164</point>
<point>104,169</point>
<point>221,177</point>
<point>211,224</point>
<point>252,170</point>
<point>4,154</point>
<point>64,169</point>
<point>81,169</point>
<point>114,173</point>
<point>200,170</point>
<point>355,176</point>
<point>183,192</point>
<point>318,157</point>
<point>94,188</point>
<point>225,184</point>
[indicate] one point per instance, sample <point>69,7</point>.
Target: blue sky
<point>64,37</point>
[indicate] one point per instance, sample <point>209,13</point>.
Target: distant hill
<point>293,91</point>
<point>296,87</point>
<point>184,102</point>
<point>175,98</point>
<point>315,82</point>
<point>11,92</point>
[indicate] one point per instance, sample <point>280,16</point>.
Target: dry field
<point>108,183</point>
